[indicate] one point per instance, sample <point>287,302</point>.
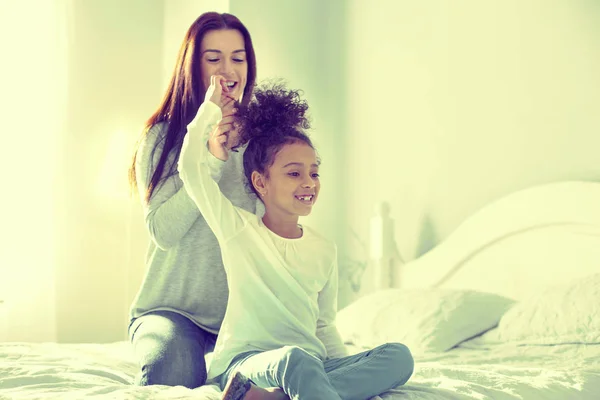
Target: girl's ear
<point>259,183</point>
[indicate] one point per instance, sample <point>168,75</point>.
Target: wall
<point>32,113</point>
<point>114,62</point>
<point>303,43</point>
<point>453,107</point>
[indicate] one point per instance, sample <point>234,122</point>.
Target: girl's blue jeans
<point>304,376</point>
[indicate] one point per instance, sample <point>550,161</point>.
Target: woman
<point>180,305</point>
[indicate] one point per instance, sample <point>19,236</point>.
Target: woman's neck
<point>287,228</point>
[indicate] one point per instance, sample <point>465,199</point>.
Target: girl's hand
<point>225,134</point>
<point>215,90</point>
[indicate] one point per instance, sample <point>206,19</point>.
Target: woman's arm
<point>326,329</point>
<point>170,212</point>
<point>220,214</point>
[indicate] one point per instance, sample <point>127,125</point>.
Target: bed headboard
<point>523,242</point>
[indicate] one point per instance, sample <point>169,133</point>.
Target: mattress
<point>503,372</point>
<point>79,371</point>
<point>470,371</point>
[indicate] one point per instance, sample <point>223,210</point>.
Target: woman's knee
<point>173,370</point>
<point>168,355</point>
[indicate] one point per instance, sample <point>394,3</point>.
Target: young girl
<point>279,327</point>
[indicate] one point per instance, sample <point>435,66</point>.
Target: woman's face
<point>223,53</point>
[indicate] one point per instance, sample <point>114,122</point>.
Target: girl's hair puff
<point>275,117</point>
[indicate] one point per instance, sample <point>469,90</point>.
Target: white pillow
<point>568,313</point>
<point>425,320</point>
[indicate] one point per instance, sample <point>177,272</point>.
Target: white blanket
<point>503,372</point>
<point>94,371</point>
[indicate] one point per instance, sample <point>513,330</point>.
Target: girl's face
<point>292,186</point>
<point>223,53</point>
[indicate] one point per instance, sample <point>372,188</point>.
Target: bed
<point>507,307</point>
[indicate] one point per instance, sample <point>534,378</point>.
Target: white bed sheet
<point>471,371</point>
<point>506,371</point>
<point>80,371</point>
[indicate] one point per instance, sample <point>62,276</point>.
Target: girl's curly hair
<point>275,117</point>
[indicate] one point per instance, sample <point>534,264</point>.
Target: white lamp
<point>383,250</point>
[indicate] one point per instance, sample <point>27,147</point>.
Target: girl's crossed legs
<point>298,373</point>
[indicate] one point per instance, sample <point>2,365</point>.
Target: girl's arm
<point>220,214</point>
<point>326,329</point>
<point>170,212</point>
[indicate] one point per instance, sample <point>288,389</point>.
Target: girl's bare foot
<point>241,388</point>
<point>257,393</point>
